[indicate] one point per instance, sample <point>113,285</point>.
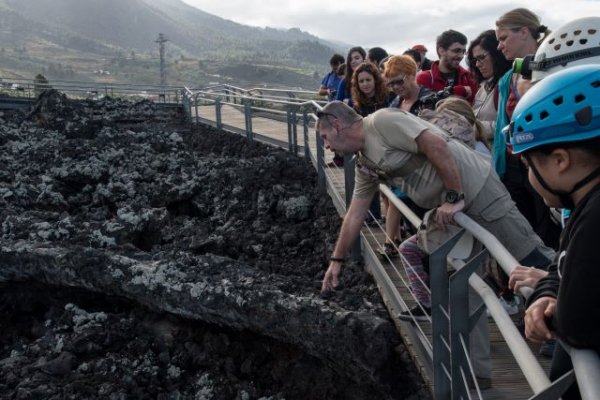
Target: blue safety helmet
<point>563,107</point>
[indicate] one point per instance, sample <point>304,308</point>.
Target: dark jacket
<point>574,280</point>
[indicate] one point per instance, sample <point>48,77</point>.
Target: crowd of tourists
<point>511,139</point>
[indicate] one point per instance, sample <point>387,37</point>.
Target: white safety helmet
<point>574,43</point>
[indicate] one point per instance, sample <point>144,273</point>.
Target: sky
<point>393,25</point>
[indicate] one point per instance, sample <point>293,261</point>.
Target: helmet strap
<point>563,196</point>
<point>563,59</point>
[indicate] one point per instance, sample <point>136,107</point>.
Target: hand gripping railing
<point>586,363</point>
<point>535,375</point>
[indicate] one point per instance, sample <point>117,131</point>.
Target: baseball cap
<point>420,48</point>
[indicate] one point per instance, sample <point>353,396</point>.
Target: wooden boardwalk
<point>508,381</point>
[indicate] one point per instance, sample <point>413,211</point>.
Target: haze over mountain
<point>70,31</point>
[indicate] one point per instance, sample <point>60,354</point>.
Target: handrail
<point>586,363</point>
<point>531,368</point>
<point>271,99</point>
<point>588,379</point>
<point>65,83</point>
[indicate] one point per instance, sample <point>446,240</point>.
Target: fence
<point>30,88</point>
<point>452,319</point>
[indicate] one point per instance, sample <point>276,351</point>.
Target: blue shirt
<point>331,82</point>
<point>341,93</point>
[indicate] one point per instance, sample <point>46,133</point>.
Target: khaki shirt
<point>390,155</point>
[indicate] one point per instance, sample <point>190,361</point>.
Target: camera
<point>430,100</point>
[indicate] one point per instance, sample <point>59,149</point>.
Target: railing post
<point>248,116</point>
<point>294,132</point>
<point>305,123</point>
<point>218,115</point>
<point>461,325</point>
<point>186,104</point>
<point>288,120</point>
<point>440,325</point>
<point>321,162</point>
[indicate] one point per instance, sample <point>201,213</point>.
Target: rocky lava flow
<point>142,259</point>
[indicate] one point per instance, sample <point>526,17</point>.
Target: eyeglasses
<point>458,50</point>
<point>321,114</point>
<point>481,58</point>
<point>395,82</point>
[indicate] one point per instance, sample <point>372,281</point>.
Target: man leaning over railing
<point>435,171</point>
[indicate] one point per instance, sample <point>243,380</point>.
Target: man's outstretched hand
<point>331,278</point>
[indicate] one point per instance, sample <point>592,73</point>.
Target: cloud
<point>390,24</point>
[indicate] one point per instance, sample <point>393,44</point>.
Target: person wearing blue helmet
<point>556,129</point>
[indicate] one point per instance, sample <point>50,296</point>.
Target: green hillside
<point>114,40</point>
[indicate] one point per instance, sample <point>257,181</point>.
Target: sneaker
<point>511,308</point>
<point>547,348</point>
<point>388,250</point>
<point>417,313</point>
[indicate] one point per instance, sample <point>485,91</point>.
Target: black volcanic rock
<point>126,204</point>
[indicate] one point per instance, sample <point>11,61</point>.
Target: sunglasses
<point>395,82</point>
<point>321,114</point>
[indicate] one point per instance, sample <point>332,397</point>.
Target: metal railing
<point>30,88</point>
<point>452,321</point>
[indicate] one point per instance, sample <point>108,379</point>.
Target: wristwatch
<point>453,197</point>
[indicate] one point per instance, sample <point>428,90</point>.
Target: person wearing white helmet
<point>519,33</point>
<point>574,43</point>
<point>556,129</point>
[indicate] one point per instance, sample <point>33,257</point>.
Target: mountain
<point>59,31</point>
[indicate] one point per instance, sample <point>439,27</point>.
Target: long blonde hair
<point>524,18</point>
<point>464,108</point>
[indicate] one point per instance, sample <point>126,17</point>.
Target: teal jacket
<point>502,120</point>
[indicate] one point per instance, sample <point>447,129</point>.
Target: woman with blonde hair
<point>464,109</point>
<point>519,33</point>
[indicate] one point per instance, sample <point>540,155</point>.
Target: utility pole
<point>163,70</point>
